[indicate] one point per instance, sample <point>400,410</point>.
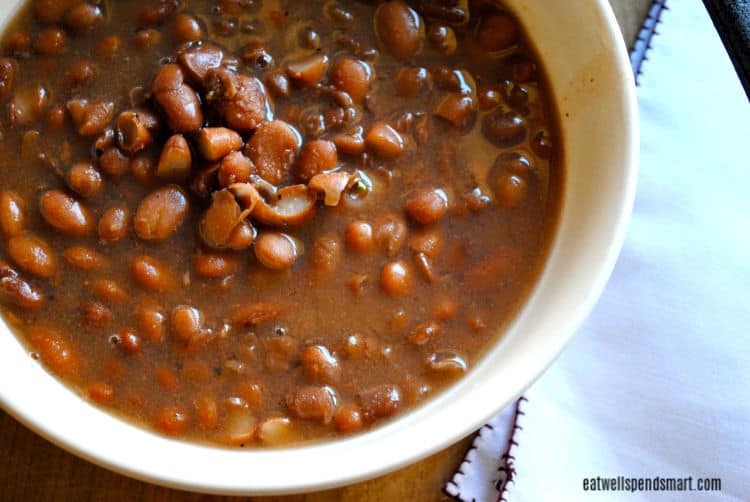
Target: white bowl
<point>591,79</point>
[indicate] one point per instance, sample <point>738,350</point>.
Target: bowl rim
<point>187,479</point>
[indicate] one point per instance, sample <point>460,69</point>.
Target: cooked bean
<point>443,38</point>
<point>151,274</point>
<point>134,129</point>
<point>101,392</point>
<point>147,39</point>
<point>50,42</point>
<point>86,259</point>
<point>17,291</point>
<point>8,69</point>
<point>429,242</point>
<point>234,168</point>
<point>220,219</point>
<point>84,179</point>
<point>504,129</point>
<point>65,213</point>
<point>55,119</point>
<point>352,142</point>
<point>18,44</point>
<point>395,279</point>
<point>359,236</point>
<point>445,308</point>
<point>239,99</point>
<point>239,424</point>
<point>186,323</point>
<point>32,254</point>
<point>308,70</point>
<point>108,291</point>
<point>113,224</point>
<point>215,143</point>
<point>80,73</point>
<point>12,213</point>
<point>55,351</point>
<point>348,418</point>
<point>272,149</point>
<point>96,314</point>
<point>51,11</point>
<point>256,54</point>
<point>390,232</point>
<point>27,105</point>
<point>280,352</point>
<point>320,365</point>
<point>242,236</point>
<point>113,162</point>
<point>488,98</point>
<point>456,108</point>
<point>380,401</point>
<point>90,118</point>
<point>447,362</point>
<point>541,143</point>
<point>214,265</point>
<point>172,421</point>
<point>276,431</point>
<point>411,80</point>
<point>277,84</point>
<point>143,169</point>
<point>186,29</point>
<point>313,403</point>
<point>151,320</point>
<point>83,17</point>
<point>516,162</point>
<point>351,76</point>
<point>399,28</point>
<point>325,254</point>
<point>510,190</point>
<point>276,250</point>
<point>384,140</point>
<point>175,160</point>
<point>129,341</point>
<point>424,333</point>
<point>178,101</point>
<point>160,214</point>
<point>316,157</point>
<point>497,33</point>
<point>108,47</point>
<point>206,412</point>
<point>157,12</point>
<point>427,206</point>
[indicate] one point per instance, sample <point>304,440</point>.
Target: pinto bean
<point>160,214</point>
<point>320,365</point>
<point>325,254</point>
<point>510,190</point>
<point>186,29</point>
<point>316,157</point>
<point>351,142</point>
<point>380,401</point>
<point>411,80</point>
<point>234,168</point>
<point>51,11</point>
<point>359,236</point>
<point>198,60</point>
<point>157,12</point>
<point>65,213</point>
<point>113,224</point>
<point>186,323</point>
<point>384,141</point>
<point>108,290</point>
<point>277,84</point>
<point>90,117</point>
<point>427,206</point>
<point>51,42</point>
<point>497,33</point>
<point>504,129</point>
<point>238,99</point>
<point>83,18</point>
<point>8,69</point>
<point>108,47</point>
<point>172,421</point>
<point>348,418</point>
<point>113,162</point>
<point>272,149</point>
<point>456,108</point>
<point>32,254</point>
<point>281,351</point>
<point>175,160</point>
<point>308,70</point>
<point>215,143</point>
<point>276,250</point>
<point>177,99</point>
<point>395,278</point>
<point>55,351</point>
<point>151,320</point>
<point>151,274</point>
<point>85,180</point>
<point>399,28</point>
<point>15,290</point>
<point>214,265</point>
<point>390,232</point>
<point>85,259</point>
<point>12,213</point>
<point>27,105</point>
<point>313,403</point>
<point>353,77</point>
<point>135,129</point>
<point>147,39</point>
<point>96,314</point>
<point>80,73</point>
<point>442,38</point>
<point>220,220</point>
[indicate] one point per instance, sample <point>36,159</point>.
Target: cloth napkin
<point>657,381</point>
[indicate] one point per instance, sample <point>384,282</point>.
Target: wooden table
<point>33,469</point>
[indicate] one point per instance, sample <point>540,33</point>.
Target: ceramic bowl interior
<point>586,61</point>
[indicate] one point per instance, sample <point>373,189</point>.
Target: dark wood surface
<point>32,469</point>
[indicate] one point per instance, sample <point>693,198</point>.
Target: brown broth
<point>225,386</point>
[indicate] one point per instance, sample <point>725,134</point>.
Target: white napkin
<point>657,381</point>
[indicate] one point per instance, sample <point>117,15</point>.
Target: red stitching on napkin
<point>507,467</point>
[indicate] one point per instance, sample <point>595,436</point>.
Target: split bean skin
<point>255,224</point>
